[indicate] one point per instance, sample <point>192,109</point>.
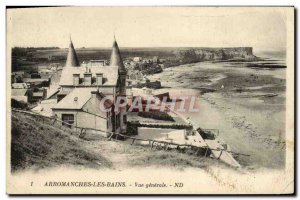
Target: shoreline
<point>241,121</point>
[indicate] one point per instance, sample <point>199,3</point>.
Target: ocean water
<point>276,55</point>
<point>249,122</point>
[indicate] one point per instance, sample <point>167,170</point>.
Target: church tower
<point>72,60</point>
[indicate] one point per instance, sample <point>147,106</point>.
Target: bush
<point>156,115</point>
<point>18,104</point>
<point>17,157</point>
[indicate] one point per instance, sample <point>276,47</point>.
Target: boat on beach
<point>219,149</point>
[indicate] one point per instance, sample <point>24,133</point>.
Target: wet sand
<point>250,121</point>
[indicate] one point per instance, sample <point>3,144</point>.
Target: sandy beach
<point>247,106</point>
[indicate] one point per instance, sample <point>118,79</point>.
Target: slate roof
<point>35,80</point>
<point>18,92</point>
<point>110,74</point>
<point>82,94</point>
<point>116,59</point>
<point>45,107</point>
<point>52,91</point>
<point>72,60</point>
<point>19,86</point>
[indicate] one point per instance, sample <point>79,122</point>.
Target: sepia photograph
<point>150,100</point>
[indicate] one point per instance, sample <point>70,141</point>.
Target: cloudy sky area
<point>261,28</point>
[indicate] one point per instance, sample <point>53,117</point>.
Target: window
<point>124,119</point>
<point>99,79</point>
<point>87,79</point>
<point>108,120</point>
<point>117,121</point>
<point>68,118</point>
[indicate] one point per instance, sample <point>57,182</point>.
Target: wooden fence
<point>73,129</point>
<point>81,133</point>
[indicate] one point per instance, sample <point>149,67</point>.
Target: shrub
<point>156,115</point>
<point>18,104</point>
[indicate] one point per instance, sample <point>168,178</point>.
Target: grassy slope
<point>36,145</point>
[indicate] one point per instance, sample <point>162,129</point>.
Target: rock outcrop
<point>206,54</point>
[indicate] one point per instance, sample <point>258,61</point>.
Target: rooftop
<point>76,99</point>
<point>44,108</point>
<point>110,73</point>
<point>18,92</point>
<point>35,80</point>
<point>52,91</point>
<point>116,58</point>
<point>72,60</point>
<point>19,86</point>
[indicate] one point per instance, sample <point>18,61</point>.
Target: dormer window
<point>87,79</point>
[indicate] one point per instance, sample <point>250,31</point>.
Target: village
<point>149,100</point>
<point>72,95</point>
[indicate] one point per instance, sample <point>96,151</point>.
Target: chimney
<point>87,78</point>
<point>99,78</point>
<point>94,93</point>
<point>76,79</point>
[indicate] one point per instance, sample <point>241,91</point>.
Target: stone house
<point>81,85</point>
<point>82,108</point>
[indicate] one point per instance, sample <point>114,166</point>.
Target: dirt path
<point>112,151</point>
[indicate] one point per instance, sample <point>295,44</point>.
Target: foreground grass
<point>124,155</point>
<point>171,159</point>
<point>36,145</point>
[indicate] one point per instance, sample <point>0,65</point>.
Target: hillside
<point>36,145</point>
<point>213,54</point>
<point>22,58</point>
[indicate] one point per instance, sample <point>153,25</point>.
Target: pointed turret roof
<point>72,60</point>
<point>116,59</point>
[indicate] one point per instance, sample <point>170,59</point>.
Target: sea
<point>252,121</point>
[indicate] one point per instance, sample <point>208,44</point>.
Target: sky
<point>261,28</point>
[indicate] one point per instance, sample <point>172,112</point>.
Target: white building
<point>137,59</point>
<point>82,88</point>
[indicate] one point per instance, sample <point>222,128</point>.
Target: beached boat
<point>219,149</point>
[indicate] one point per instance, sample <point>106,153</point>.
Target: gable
<point>93,105</point>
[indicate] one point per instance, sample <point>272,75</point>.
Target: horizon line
<point>106,47</point>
